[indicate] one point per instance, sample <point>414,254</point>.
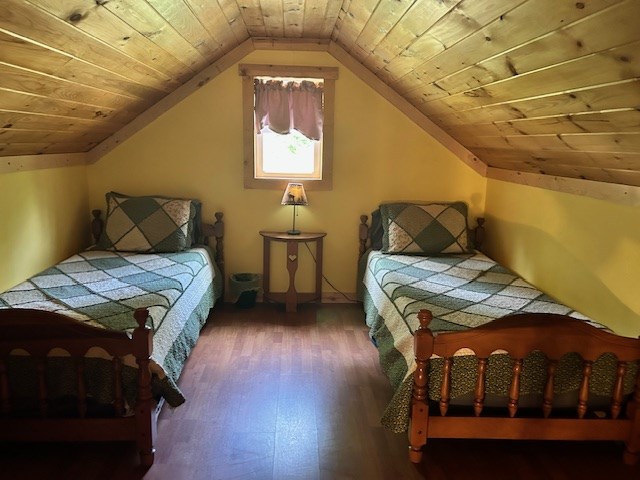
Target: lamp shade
<point>294,195</point>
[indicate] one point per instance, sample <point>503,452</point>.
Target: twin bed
<point>473,351</point>
<point>92,347</point>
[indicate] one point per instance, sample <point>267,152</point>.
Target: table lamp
<point>294,195</point>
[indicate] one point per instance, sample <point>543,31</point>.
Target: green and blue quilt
<point>462,291</point>
<point>103,289</point>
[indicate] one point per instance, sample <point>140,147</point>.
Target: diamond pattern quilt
<point>462,291</point>
<point>103,288</point>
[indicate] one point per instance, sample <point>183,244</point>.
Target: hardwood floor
<point>272,395</point>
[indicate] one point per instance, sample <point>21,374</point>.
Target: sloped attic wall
<point>583,251</point>
<point>44,218</point>
<point>195,150</point>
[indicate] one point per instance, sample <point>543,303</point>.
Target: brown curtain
<point>282,106</point>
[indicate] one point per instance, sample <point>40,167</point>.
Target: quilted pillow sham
<point>148,223</point>
<point>424,229</point>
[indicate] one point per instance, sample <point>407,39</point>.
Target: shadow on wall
<point>554,268</point>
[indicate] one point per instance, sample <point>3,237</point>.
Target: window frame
<point>329,76</point>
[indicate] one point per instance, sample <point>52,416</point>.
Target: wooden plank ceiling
<point>541,86</point>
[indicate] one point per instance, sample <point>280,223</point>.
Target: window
<point>293,141</point>
<point>287,156</point>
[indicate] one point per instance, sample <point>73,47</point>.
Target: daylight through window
<point>288,128</point>
<point>288,125</point>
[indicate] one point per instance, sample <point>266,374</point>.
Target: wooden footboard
<point>518,335</point>
<point>37,333</point>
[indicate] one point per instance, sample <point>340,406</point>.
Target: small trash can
<point>244,288</point>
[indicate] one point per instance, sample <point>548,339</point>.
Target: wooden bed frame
<point>38,332</point>
<point>519,335</point>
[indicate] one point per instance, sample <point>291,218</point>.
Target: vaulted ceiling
<point>541,86</point>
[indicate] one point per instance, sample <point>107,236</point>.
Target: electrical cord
<point>327,280</point>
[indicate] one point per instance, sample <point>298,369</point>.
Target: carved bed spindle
<point>423,346</point>
<point>514,391</point>
<point>118,402</point>
<point>43,400</point>
<point>618,390</point>
<point>583,395</point>
<point>478,402</point>
<point>445,394</point>
<point>218,233</point>
<point>547,402</point>
<point>82,389</point>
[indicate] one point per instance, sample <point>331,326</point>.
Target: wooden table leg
<point>266,254</point>
<point>319,269</point>
<point>292,266</point>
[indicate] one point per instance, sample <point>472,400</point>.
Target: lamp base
<point>293,232</point>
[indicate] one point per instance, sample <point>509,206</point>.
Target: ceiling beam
<point>21,163</point>
<point>612,192</point>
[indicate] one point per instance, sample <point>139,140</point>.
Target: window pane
<point>292,153</point>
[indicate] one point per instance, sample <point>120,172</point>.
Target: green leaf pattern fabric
<point>103,289</point>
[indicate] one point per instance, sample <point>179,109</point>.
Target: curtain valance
<point>283,105</point>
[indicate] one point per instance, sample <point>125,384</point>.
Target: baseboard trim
<point>335,297</point>
<point>327,297</point>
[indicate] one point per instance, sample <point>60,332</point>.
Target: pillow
<point>426,229</point>
<point>148,224</point>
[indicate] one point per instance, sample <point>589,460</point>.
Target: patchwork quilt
<point>103,289</point>
<point>462,291</point>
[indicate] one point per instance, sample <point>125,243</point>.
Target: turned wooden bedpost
<point>478,234</point>
<point>423,347</point>
<point>363,235</point>
<point>218,232</point>
<point>632,445</point>
<point>143,346</point>
<point>96,225</point>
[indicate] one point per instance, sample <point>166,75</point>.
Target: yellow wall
<point>44,218</point>
<point>195,150</point>
<point>583,251</point>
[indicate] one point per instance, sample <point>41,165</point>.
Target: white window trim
<point>329,75</point>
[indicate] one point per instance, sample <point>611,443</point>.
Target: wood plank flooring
<point>283,396</point>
